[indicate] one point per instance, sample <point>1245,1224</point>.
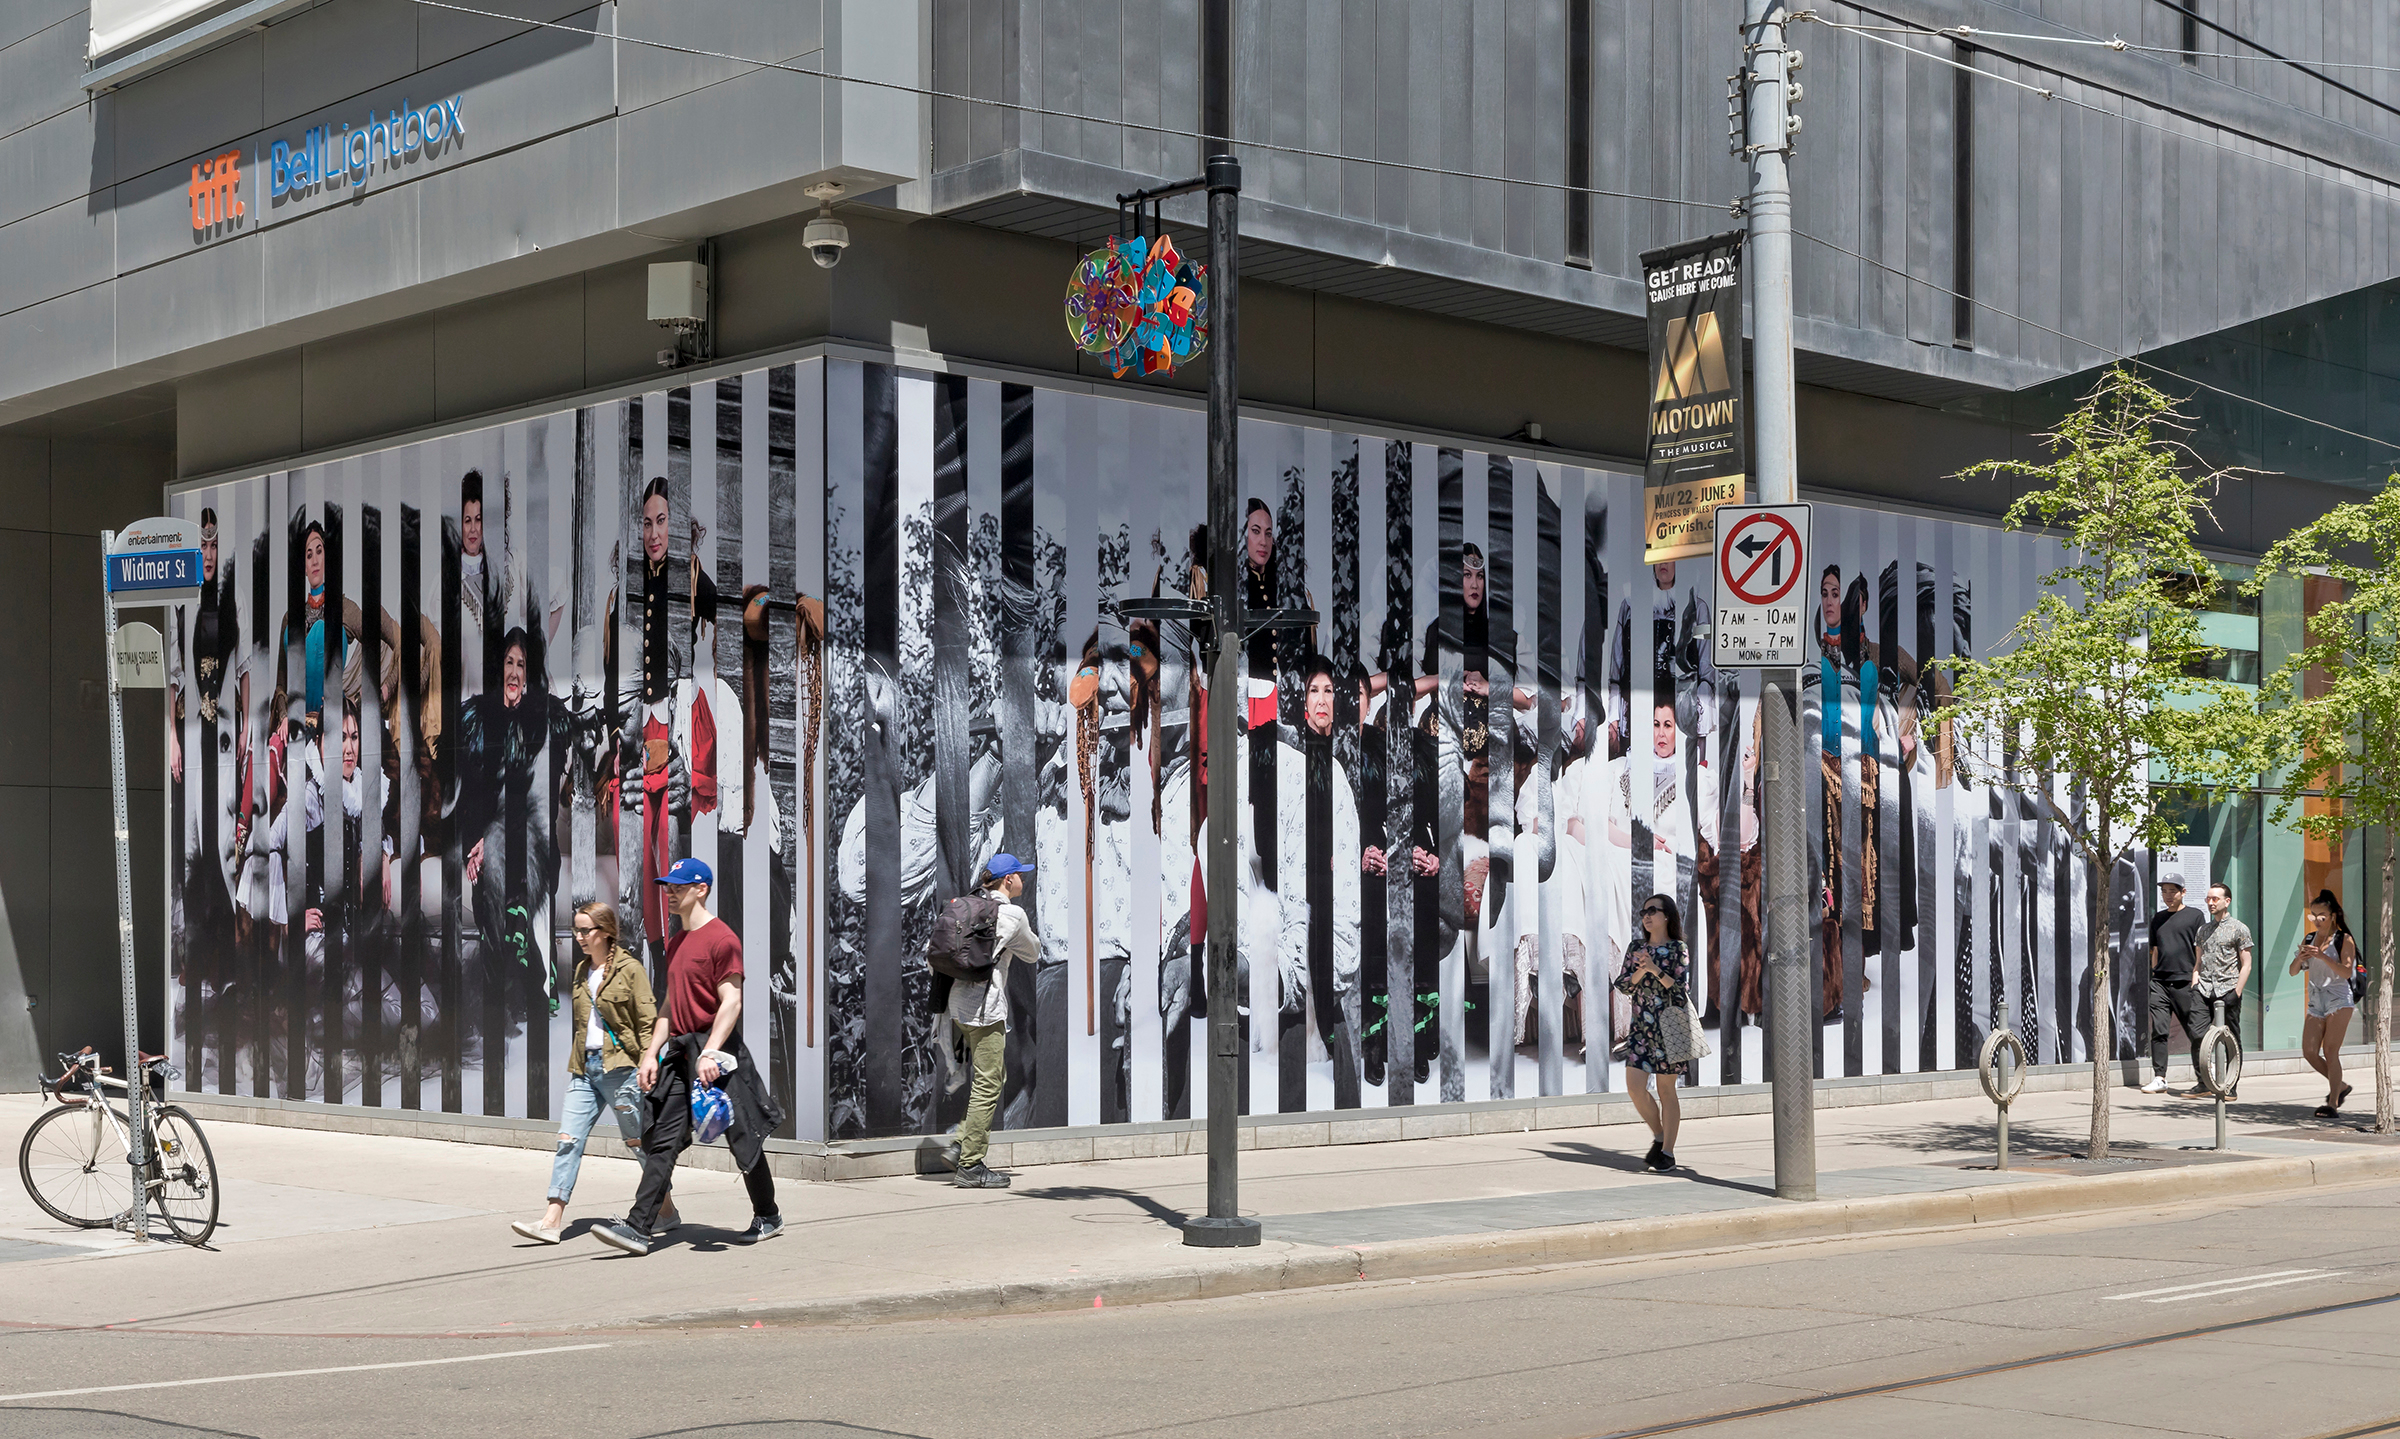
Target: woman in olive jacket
<point>613,1012</point>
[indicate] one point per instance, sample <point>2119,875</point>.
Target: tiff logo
<point>215,190</point>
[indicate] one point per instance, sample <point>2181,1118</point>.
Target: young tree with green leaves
<point>2099,678</point>
<point>2344,743</point>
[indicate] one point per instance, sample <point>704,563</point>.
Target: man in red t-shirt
<point>698,1028</point>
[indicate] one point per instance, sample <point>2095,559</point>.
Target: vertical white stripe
<point>1147,498</point>
<point>1065,491</point>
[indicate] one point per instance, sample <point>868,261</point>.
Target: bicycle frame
<point>96,1100</point>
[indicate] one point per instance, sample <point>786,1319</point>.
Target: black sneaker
<point>1666,1161</point>
<point>617,1234</point>
<point>1657,1148</point>
<point>980,1176</point>
<point>950,1156</point>
<point>764,1227</point>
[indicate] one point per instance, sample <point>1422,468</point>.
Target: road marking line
<point>2221,1279</point>
<point>300,1373</point>
<point>2263,1284</point>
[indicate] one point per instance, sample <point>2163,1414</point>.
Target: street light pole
<point>1223,1227</point>
<point>1790,1012</point>
<point>1228,624</point>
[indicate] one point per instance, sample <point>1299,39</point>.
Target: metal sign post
<point>150,563</point>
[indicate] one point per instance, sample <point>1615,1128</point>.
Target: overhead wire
<point>2124,114</point>
<point>1052,113</point>
<point>1973,33</point>
<point>1049,112</point>
<point>2112,354</point>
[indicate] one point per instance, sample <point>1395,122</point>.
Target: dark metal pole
<point>1224,1227</point>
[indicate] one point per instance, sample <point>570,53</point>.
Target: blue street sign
<point>147,572</point>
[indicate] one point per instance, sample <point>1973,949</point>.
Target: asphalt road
<point>2260,1319</point>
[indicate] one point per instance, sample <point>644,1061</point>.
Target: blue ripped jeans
<point>594,1090</point>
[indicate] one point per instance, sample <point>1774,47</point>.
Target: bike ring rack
<point>2220,1063</point>
<point>2002,1085</point>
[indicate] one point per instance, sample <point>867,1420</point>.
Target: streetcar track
<point>1787,1406</point>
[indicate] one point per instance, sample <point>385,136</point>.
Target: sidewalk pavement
<point>332,1233</point>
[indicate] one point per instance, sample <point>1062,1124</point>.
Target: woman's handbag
<point>1680,1035</point>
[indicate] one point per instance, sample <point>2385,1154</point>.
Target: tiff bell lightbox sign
<point>337,160</point>
<point>153,562</point>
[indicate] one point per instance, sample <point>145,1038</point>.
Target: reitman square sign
<point>1762,594</point>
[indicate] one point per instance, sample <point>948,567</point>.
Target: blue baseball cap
<point>687,871</point>
<point>1001,866</point>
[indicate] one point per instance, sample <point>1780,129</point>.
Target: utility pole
<point>1792,1021</point>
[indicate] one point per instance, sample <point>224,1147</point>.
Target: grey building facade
<point>1444,204</point>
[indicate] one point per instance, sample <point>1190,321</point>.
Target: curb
<point>1309,1266</point>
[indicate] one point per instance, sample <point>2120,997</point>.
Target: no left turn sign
<point>1762,551</point>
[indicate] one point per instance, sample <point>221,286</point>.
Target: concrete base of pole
<point>1790,1011</point>
<point>1211,1231</point>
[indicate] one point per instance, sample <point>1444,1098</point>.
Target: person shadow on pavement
<point>1576,1152</point>
<point>1157,1209</point>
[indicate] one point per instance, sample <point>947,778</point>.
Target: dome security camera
<point>825,237</point>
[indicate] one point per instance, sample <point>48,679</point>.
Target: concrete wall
<point>58,932</point>
<point>938,287</point>
<point>2153,201</point>
<point>2181,204</point>
<point>578,150</point>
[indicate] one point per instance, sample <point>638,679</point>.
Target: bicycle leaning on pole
<point>74,1158</point>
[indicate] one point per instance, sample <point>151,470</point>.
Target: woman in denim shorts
<point>614,1012</point>
<point>2329,957</point>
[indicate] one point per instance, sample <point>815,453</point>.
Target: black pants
<point>2183,1002</point>
<point>668,1132</point>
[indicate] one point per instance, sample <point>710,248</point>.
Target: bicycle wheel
<point>78,1174</point>
<point>187,1175</point>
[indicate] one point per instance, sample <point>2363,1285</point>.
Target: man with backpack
<point>974,938</point>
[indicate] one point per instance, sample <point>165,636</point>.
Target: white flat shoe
<point>537,1233</point>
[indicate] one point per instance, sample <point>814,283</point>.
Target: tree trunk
<point>2103,1010</point>
<point>2381,1025</point>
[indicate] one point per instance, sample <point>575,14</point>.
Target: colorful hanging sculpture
<point>1139,304</point>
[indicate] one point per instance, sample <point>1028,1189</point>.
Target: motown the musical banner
<point>1697,459</point>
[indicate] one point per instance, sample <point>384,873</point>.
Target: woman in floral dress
<point>1653,976</point>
